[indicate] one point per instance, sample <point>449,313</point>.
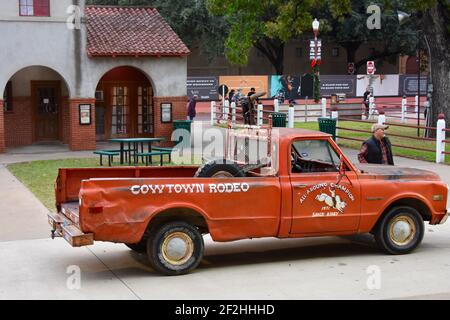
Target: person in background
<point>252,92</point>
<point>191,107</point>
<point>377,149</point>
<point>231,95</point>
<point>366,101</point>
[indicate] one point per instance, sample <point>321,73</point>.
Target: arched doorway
<point>124,104</point>
<point>36,107</point>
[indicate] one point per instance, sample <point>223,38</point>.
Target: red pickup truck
<point>308,188</point>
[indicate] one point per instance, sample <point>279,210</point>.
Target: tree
<point>268,24</point>
<point>190,19</point>
<point>435,25</point>
<point>264,24</point>
<point>351,32</point>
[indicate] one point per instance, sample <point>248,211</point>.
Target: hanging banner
<point>381,84</point>
<point>338,84</point>
<point>245,83</point>
<point>285,87</point>
<point>408,85</point>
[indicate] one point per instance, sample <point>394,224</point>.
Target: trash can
<point>279,120</point>
<point>186,125</point>
<point>328,125</point>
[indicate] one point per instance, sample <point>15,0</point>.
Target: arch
<point>39,98</point>
<point>124,104</point>
<point>10,75</point>
<point>101,72</point>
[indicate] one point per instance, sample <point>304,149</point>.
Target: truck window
<point>313,156</point>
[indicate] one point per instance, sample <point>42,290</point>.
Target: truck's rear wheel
<point>400,231</point>
<point>219,169</point>
<point>175,248</point>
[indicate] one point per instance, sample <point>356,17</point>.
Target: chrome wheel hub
<point>177,248</point>
<point>402,230</point>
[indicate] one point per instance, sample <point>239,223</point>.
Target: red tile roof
<point>130,31</point>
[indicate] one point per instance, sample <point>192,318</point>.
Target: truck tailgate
<point>67,225</point>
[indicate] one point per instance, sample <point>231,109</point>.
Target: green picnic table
<point>133,146</point>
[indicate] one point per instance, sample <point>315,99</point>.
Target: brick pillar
<point>2,128</point>
<point>179,112</point>
<point>81,136</point>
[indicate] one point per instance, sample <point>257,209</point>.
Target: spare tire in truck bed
<point>219,169</point>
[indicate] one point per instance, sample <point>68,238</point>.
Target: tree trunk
<point>274,51</point>
<point>435,29</point>
<point>351,48</point>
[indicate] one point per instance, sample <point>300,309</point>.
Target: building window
<point>7,97</point>
<point>36,8</point>
<point>335,52</point>
<point>298,52</point>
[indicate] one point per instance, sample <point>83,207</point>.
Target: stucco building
<point>58,57</point>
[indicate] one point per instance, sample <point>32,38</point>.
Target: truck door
<point>320,205</point>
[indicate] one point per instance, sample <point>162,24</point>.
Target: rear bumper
<point>67,229</point>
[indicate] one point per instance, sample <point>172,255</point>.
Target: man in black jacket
<point>377,149</point>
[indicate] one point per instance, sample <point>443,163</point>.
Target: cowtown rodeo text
<point>190,188</point>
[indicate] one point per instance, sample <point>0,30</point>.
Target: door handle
<point>300,185</point>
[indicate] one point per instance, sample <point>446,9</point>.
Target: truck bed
<point>69,180</point>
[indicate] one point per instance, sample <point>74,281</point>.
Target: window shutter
<point>41,8</point>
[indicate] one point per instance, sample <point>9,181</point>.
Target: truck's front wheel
<point>175,248</point>
<point>400,231</point>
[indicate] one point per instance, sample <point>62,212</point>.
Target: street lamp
<point>315,26</point>
<point>315,64</point>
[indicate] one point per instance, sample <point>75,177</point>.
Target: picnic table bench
<point>109,153</point>
<point>148,155</point>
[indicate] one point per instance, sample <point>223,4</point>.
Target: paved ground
<point>36,267</point>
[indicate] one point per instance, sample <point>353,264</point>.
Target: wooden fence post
<point>291,112</point>
<point>440,137</point>
<point>213,112</point>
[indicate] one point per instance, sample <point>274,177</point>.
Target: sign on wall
<point>338,84</point>
<point>85,113</point>
<point>204,87</point>
<point>371,67</point>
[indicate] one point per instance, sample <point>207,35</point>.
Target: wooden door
<point>46,107</point>
<point>143,116</point>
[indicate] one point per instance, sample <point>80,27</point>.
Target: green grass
<point>398,151</point>
<point>39,176</point>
